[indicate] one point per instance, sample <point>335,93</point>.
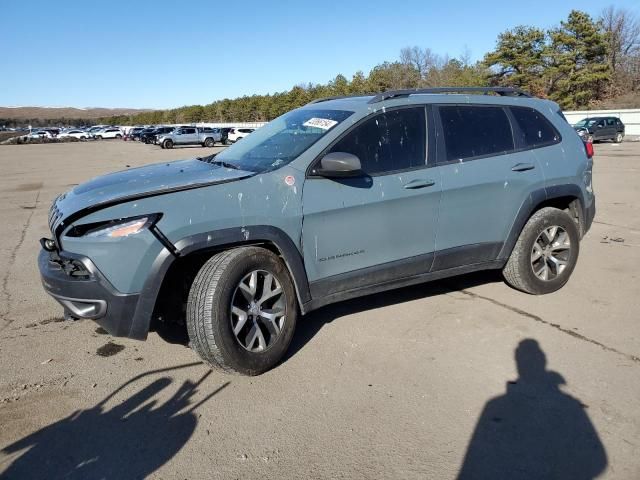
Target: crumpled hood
<point>139,182</point>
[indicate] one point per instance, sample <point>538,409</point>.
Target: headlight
<point>115,228</point>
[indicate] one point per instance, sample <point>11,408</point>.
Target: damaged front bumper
<point>76,283</point>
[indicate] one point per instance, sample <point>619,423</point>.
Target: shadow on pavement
<point>130,440</point>
<point>309,325</point>
<point>534,430</point>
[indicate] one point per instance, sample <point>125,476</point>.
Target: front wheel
<point>167,144</point>
<point>242,311</point>
<point>208,142</point>
<point>618,138</point>
<point>118,136</point>
<point>98,137</point>
<point>545,254</point>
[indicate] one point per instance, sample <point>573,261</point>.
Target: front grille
<point>55,216</point>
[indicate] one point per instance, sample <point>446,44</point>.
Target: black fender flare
<point>218,240</point>
<point>530,205</point>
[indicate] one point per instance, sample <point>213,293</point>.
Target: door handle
<point>419,183</point>
<point>523,167</point>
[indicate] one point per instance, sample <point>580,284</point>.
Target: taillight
<point>588,146</point>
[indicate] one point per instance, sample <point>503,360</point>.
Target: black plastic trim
<point>369,276</point>
<point>116,307</point>
<point>401,282</point>
<point>530,204</point>
<point>215,241</point>
<point>466,255</point>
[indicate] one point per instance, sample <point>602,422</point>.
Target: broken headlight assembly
<point>118,228</point>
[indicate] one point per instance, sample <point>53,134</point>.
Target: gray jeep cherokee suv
<point>340,198</point>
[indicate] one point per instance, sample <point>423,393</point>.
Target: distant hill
<point>48,113</point>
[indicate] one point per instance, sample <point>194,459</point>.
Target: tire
<point>520,270</point>
<point>216,289</point>
<point>118,136</point>
<point>618,138</point>
<point>208,142</point>
<point>167,144</point>
<point>98,137</point>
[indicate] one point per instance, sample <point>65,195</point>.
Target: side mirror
<point>340,164</point>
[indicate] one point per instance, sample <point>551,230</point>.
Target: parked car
<point>111,132</point>
<point>337,199</point>
<point>236,134</point>
<point>146,133</point>
<point>594,129</point>
<point>79,134</point>
<point>134,133</point>
<point>207,137</point>
<point>39,134</point>
<point>152,136</point>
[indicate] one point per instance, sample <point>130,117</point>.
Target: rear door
<point>187,135</point>
<point>484,180</point>
<point>380,226</point>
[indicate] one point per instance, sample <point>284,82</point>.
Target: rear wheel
<point>208,142</point>
<point>167,144</point>
<point>118,136</point>
<point>545,254</point>
<point>98,137</point>
<point>242,311</point>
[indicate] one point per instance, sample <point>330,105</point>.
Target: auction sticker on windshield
<point>323,123</point>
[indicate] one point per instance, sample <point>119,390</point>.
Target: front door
<point>379,226</point>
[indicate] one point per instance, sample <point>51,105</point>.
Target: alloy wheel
<point>550,253</point>
<point>258,311</point>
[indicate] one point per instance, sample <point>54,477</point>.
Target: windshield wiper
<point>224,164</point>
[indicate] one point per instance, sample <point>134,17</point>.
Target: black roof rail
<point>338,97</point>
<point>502,91</point>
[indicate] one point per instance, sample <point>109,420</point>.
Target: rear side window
<point>388,142</point>
<point>535,129</point>
<point>474,131</point>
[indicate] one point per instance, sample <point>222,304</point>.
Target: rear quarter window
<point>534,129</point>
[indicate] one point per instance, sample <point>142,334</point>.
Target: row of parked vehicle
<point>170,136</point>
<point>99,132</point>
<point>165,136</point>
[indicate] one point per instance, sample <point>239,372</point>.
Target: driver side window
<point>388,142</point>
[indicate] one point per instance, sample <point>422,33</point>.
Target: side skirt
<point>392,284</point>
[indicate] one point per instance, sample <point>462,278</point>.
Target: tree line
<point>578,63</point>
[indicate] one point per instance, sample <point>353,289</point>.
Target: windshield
<point>281,140</point>
<point>586,122</point>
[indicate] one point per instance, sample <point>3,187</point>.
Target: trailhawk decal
<point>340,255</point>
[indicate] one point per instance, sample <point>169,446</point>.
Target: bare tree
<point>623,35</point>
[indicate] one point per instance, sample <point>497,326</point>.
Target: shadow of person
<point>131,440</point>
<point>534,431</point>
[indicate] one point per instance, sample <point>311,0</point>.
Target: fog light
<point>48,244</point>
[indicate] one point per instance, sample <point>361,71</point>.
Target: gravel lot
<point>413,383</point>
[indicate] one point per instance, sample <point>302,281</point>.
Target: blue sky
<point>170,53</point>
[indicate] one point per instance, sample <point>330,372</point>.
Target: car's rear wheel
<point>98,137</point>
<point>619,137</point>
<point>242,311</point>
<point>118,136</point>
<point>167,144</point>
<point>208,142</point>
<point>545,254</point>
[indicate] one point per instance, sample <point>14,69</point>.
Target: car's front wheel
<point>167,144</point>
<point>545,254</point>
<point>208,142</point>
<point>619,137</point>
<point>242,311</point>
